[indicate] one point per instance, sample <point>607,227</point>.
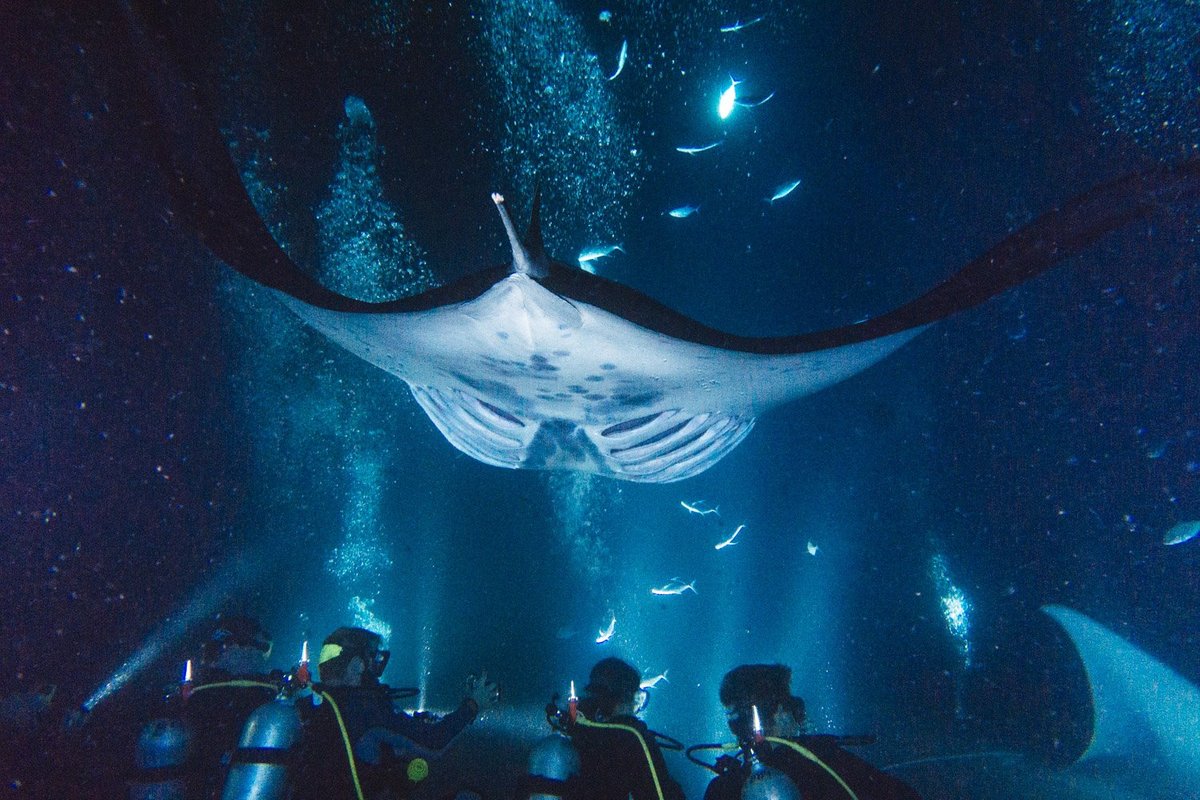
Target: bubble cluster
<point>954,604</point>
<point>558,119</point>
<point>364,250</point>
<point>364,616</point>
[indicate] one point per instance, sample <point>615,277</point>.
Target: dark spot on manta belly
<point>607,365</point>
<point>562,353</point>
<point>595,378</point>
<point>577,389</point>
<point>542,364</point>
<point>595,397</point>
<point>502,334</point>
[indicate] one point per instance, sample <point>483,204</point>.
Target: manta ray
<point>537,364</point>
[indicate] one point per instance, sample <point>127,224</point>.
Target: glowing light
<point>728,99</point>
<point>187,671</point>
<point>304,652</point>
<point>572,696</point>
<point>173,629</point>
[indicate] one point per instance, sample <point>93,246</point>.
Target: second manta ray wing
<point>537,364</point>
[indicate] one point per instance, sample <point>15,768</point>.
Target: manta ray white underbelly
<point>521,377</point>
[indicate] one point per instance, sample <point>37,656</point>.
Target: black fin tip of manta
<point>534,243</point>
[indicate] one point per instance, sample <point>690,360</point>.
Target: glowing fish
<point>812,548</point>
<point>596,253</point>
<point>694,508</point>
<point>784,190</point>
<point>1183,532</point>
<point>606,634</point>
<point>683,212</point>
<point>674,587</point>
<point>727,100</point>
<point>621,59</point>
<point>740,26</point>
<point>650,683</point>
<point>691,151</point>
<point>730,540</point>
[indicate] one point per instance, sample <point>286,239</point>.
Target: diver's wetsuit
<point>613,764</point>
<point>814,783</point>
<point>384,739</point>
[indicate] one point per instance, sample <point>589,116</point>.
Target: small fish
<point>740,26</point>
<point>783,190</point>
<point>694,508</point>
<point>606,634</point>
<point>812,548</point>
<point>730,540</point>
<point>683,212</point>
<point>1183,532</point>
<point>621,59</point>
<point>605,16</point>
<point>691,151</point>
<point>596,253</point>
<point>674,587</point>
<point>565,632</point>
<point>650,683</point>
<point>753,101</point>
<point>727,100</point>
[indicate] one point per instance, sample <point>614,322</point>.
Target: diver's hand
<point>482,692</point>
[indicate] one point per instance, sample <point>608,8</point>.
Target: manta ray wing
<point>522,377</point>
<point>540,365</point>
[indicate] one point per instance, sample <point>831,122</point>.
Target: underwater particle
<point>1183,532</point>
<point>605,16</point>
<point>812,548</point>
<point>1147,73</point>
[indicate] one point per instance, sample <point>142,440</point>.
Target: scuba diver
<point>184,752</point>
<point>778,759</point>
<point>611,754</point>
<point>356,743</point>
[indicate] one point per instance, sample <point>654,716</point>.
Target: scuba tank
<point>554,759</point>
<point>764,783</point>
<point>160,755</point>
<point>259,770</point>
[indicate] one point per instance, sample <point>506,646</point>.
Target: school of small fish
<point>731,98</point>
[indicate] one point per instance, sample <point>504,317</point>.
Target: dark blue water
<point>174,443</point>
